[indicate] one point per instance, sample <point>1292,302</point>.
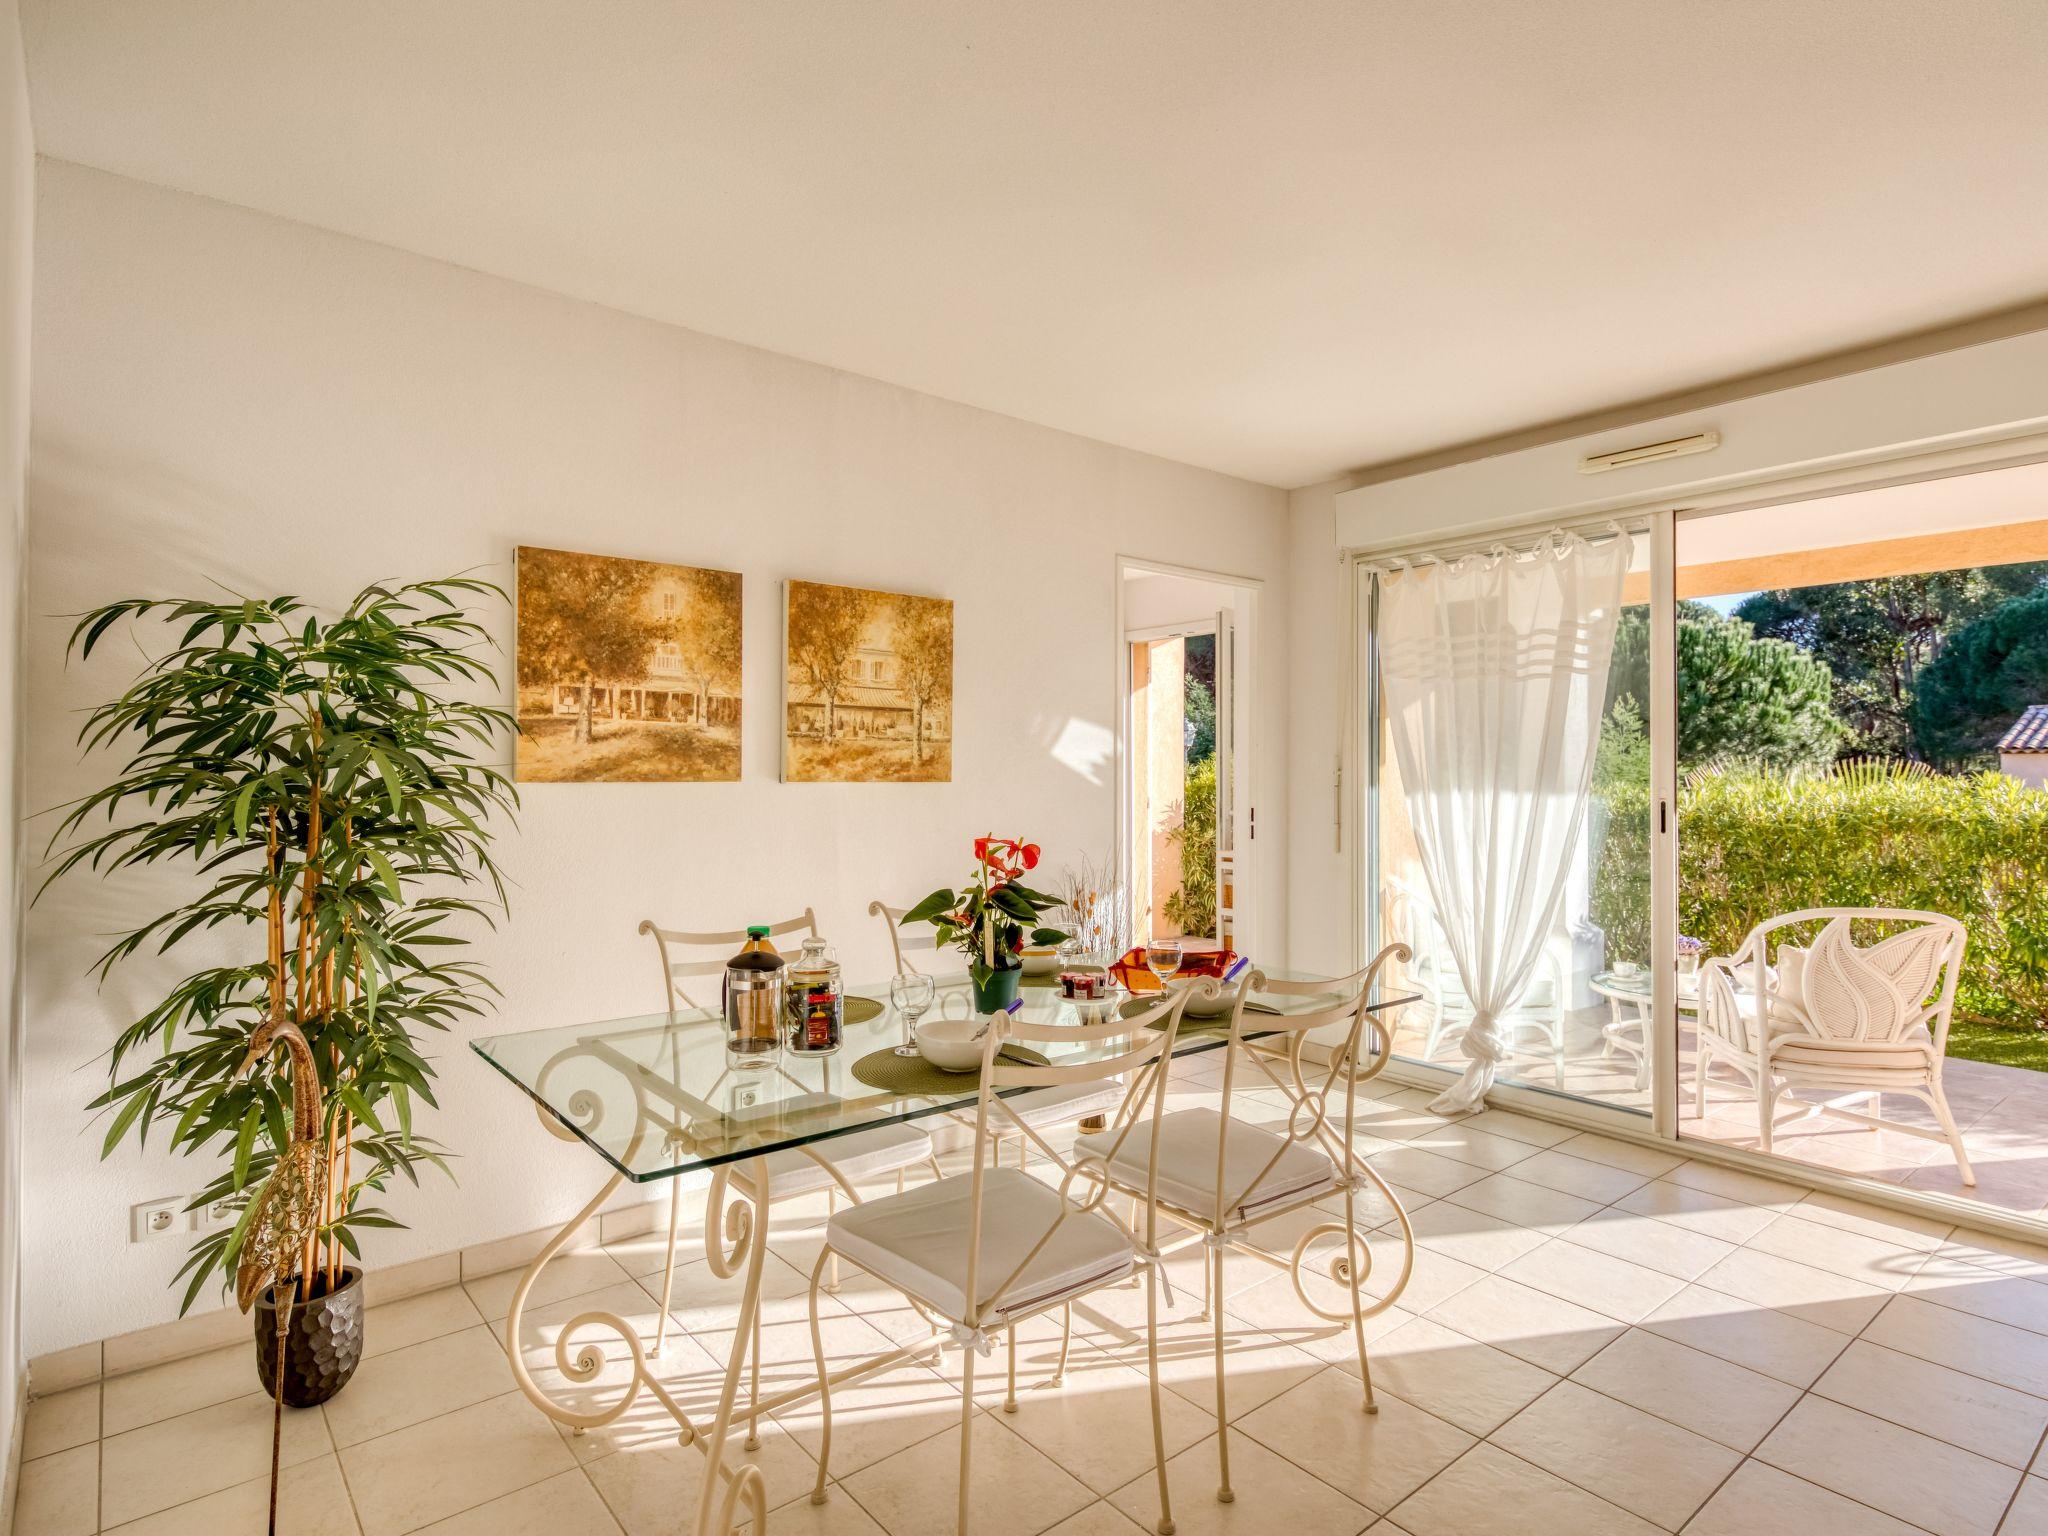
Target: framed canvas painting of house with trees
<point>628,669</point>
<point>867,686</point>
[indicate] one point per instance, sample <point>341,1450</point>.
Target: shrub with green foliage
<point>1618,827</point>
<point>1192,908</point>
<point>1753,845</point>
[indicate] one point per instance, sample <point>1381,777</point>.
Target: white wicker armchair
<point>1861,1020</point>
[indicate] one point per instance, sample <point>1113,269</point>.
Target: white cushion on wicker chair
<point>1911,1052</point>
<point>1187,1163</point>
<point>917,1242</point>
<point>858,1155</point>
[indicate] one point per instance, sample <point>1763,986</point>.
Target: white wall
<point>222,396</point>
<point>2030,768</point>
<point>17,222</point>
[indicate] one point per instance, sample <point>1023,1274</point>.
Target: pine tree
<point>1740,697</point>
<point>1988,672</point>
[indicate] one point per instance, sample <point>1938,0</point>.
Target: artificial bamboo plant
<point>330,791</point>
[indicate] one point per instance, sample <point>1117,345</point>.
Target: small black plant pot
<point>322,1345</point>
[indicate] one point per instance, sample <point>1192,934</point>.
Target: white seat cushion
<point>917,1241</point>
<point>1187,1163</point>
<point>1056,1106</point>
<point>1912,1052</point>
<point>858,1155</point>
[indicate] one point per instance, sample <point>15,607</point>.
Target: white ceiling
<point>1988,499</point>
<point>1282,238</point>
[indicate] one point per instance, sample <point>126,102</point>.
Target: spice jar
<point>813,1006</point>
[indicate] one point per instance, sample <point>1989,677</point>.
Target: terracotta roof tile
<point>2029,733</point>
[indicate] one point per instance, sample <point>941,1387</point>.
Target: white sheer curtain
<point>1494,669</point>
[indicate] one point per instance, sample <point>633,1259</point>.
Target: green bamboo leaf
<point>122,1121</point>
<point>390,776</point>
<point>245,1144</point>
<point>385,873</point>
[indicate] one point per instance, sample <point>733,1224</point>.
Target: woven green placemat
<point>859,1010</point>
<point>1190,1023</point>
<point>891,1073</point>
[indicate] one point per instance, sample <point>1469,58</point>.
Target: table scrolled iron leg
<point>735,1237</point>
<point>583,1363</point>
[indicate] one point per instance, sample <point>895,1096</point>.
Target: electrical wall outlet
<point>213,1217</point>
<point>157,1218</point>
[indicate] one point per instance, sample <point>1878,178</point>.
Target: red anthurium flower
<point>1030,855</point>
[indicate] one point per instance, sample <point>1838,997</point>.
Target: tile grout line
<point>341,1467</point>
<point>1742,1457</point>
<point>1809,1392</point>
<point>596,1492</point>
<point>2020,1486</point>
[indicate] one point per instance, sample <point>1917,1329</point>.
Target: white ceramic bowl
<point>1208,998</point>
<point>951,1045</point>
<point>1040,959</point>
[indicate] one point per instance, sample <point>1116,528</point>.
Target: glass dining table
<point>655,1098</point>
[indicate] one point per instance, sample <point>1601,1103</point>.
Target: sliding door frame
<point>1362,767</point>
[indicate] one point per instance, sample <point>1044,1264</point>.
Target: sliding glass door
<point>1805,913</point>
<point>1863,727</point>
<point>1583,1026</point>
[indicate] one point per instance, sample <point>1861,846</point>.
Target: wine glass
<point>912,995</point>
<point>1162,956</point>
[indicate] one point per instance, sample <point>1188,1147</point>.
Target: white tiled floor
<point>1597,1338</point>
<point>2002,1112</point>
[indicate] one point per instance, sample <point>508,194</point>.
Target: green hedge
<point>1753,845</point>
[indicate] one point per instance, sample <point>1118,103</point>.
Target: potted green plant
<point>990,917</point>
<point>331,791</point>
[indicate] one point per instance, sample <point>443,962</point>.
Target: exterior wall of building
<point>2030,768</point>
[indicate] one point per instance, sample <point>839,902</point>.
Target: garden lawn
<point>2001,1045</point>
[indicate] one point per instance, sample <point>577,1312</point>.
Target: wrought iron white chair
<point>1218,1177</point>
<point>1861,1020</point>
<point>834,1165</point>
<point>1042,1111</point>
<point>1539,1012</point>
<point>904,946</point>
<point>988,1249</point>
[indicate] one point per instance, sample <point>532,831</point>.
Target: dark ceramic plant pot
<point>994,990</point>
<point>322,1345</point>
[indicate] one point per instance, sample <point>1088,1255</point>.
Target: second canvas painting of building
<point>867,686</point>
<point>628,669</point>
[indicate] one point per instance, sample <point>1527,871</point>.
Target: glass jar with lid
<point>813,1006</point>
<point>754,989</point>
